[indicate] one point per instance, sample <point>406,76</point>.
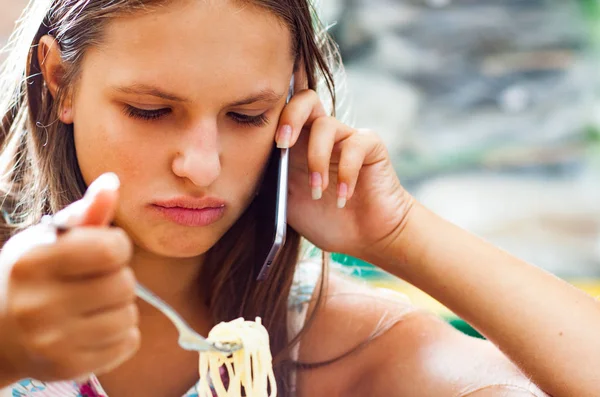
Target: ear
<point>52,67</point>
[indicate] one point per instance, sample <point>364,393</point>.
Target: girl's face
<point>182,103</point>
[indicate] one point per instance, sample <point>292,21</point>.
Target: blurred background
<point>490,109</point>
<point>10,11</point>
<point>491,112</point>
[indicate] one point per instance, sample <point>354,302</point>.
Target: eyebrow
<point>265,95</point>
<point>143,89</point>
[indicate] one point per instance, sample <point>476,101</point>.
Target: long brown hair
<point>40,172</point>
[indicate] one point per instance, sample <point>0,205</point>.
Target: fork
<point>188,338</point>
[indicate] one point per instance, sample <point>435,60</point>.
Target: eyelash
<point>243,119</point>
<point>147,115</point>
<point>150,115</point>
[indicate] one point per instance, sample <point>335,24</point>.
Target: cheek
<point>244,160</point>
<point>104,142</point>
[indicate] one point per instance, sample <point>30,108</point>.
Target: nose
<point>198,158</point>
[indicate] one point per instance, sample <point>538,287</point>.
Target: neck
<point>175,280</point>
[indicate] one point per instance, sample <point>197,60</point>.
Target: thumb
<point>97,207</point>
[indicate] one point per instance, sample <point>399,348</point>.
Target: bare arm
<point>546,326</point>
<point>419,354</point>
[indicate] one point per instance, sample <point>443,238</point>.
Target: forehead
<point>191,43</point>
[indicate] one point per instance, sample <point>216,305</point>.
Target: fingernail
<point>316,185</point>
<point>108,181</point>
<point>284,137</point>
<point>342,195</point>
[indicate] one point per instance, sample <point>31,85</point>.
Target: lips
<point>192,212</point>
<point>191,203</point>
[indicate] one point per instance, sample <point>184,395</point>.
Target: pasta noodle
<point>250,369</point>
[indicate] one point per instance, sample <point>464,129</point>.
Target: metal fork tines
<point>188,338</point>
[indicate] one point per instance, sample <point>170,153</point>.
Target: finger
<point>352,157</point>
<point>91,253</point>
<point>302,110</point>
<point>42,307</point>
<point>21,245</point>
<point>104,329</point>
<point>106,358</point>
<point>95,296</point>
<point>324,134</point>
<point>97,206</point>
<point>103,194</point>
<point>82,253</point>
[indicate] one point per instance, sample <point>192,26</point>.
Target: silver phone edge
<point>281,205</point>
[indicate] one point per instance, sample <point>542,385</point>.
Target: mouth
<point>192,217</point>
<point>191,212</point>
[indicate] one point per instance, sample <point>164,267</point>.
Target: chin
<point>174,246</point>
<point>175,241</point>
<point>181,249</point>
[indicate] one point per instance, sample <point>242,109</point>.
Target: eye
<point>243,119</point>
<point>144,114</point>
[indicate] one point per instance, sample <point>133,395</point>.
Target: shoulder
<point>397,349</point>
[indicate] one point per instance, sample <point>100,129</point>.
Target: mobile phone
<point>280,210</point>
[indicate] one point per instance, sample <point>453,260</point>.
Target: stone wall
<point>442,76</point>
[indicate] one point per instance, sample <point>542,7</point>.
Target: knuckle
<point>104,332</point>
<point>123,351</point>
<point>352,156</point>
<point>25,318</point>
<point>314,96</point>
<point>307,93</point>
<point>133,315</point>
<point>124,242</point>
<point>318,161</point>
<point>110,250</point>
<point>355,141</point>
<point>356,147</point>
<point>25,312</point>
<point>23,269</point>
<point>125,284</point>
<point>119,288</point>
<point>107,254</point>
<point>133,339</point>
<point>24,261</point>
<point>327,123</point>
<point>371,139</point>
<point>42,344</point>
<point>47,346</point>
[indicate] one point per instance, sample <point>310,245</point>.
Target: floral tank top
<point>305,279</point>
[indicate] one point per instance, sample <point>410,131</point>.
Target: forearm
<point>547,327</point>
